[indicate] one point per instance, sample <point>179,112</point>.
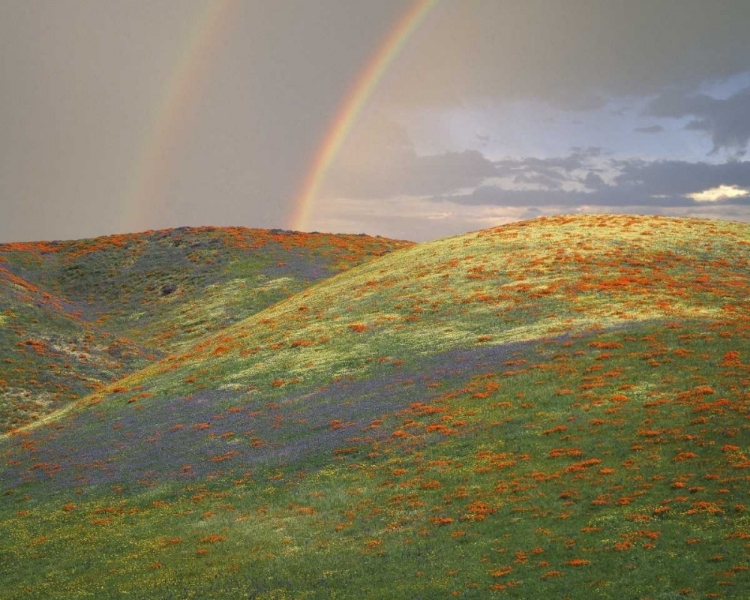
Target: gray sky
<point>127,115</point>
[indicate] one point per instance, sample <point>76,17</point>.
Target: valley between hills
<point>555,408</point>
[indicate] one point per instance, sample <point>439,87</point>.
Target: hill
<point>554,408</point>
<point>78,314</point>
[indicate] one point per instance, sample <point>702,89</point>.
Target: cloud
<point>719,193</point>
<point>650,129</point>
<point>555,172</point>
<point>380,161</point>
<point>519,189</point>
<point>414,176</point>
<point>612,197</point>
<point>726,121</point>
<point>672,178</point>
<point>612,183</point>
<point>423,220</point>
<point>574,54</point>
<point>449,171</point>
<point>539,180</point>
<point>492,195</point>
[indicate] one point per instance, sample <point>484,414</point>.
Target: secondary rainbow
<point>182,90</point>
<point>352,106</point>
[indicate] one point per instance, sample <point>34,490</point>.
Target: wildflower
<point>550,574</point>
<point>578,562</point>
<point>682,456</point>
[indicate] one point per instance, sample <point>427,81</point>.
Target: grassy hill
<point>555,408</point>
<point>75,315</point>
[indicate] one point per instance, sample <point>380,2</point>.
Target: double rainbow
<point>186,84</point>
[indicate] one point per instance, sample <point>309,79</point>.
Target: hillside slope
<point>78,314</point>
<point>546,409</point>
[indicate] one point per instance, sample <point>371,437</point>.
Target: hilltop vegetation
<point>76,315</point>
<point>556,408</point>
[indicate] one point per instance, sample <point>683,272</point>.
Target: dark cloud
<point>650,129</point>
<point>726,121</point>
<point>593,181</point>
<point>98,133</point>
<point>491,195</point>
<point>426,175</point>
<point>574,54</point>
<point>380,161</point>
<point>668,178</point>
<point>613,197</point>
<point>639,183</point>
<point>538,179</point>
<point>579,158</point>
<point>413,175</point>
<point>434,174</point>
<point>552,173</point>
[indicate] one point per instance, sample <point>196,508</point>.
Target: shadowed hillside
<point>554,408</point>
<point>78,314</point>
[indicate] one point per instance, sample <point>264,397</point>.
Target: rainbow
<point>168,119</point>
<point>352,106</point>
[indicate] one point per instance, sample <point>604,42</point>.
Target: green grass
<point>563,422</point>
<point>80,314</point>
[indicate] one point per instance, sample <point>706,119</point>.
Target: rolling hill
<point>554,408</point>
<point>76,315</point>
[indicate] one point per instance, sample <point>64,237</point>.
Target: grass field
<point>550,409</point>
<point>77,315</point>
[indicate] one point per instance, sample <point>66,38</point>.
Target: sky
<point>402,118</point>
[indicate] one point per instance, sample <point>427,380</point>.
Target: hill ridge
<point>555,408</point>
<point>127,299</point>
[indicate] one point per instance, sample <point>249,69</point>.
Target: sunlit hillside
<point>78,314</point>
<point>553,408</point>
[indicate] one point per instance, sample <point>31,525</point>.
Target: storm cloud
<point>634,183</point>
<point>380,161</point>
<point>125,116</point>
<point>574,54</point>
<point>726,121</point>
